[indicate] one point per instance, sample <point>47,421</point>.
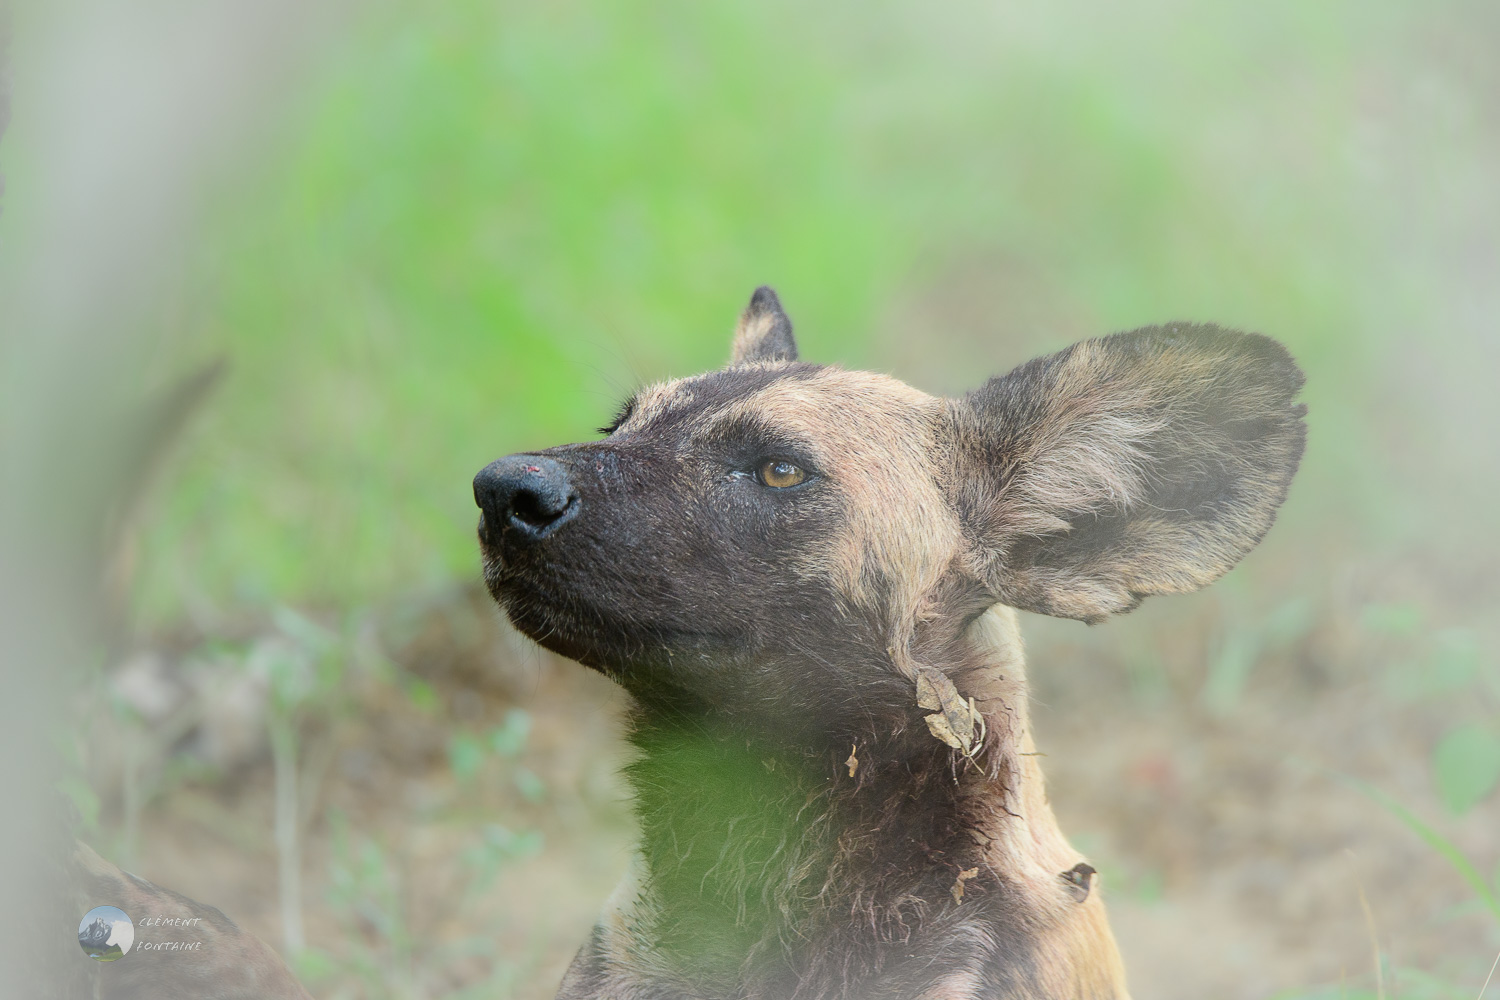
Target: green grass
<point>480,223</point>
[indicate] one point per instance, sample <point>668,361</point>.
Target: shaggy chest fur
<point>767,869</point>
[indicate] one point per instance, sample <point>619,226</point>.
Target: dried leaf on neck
<point>954,721</point>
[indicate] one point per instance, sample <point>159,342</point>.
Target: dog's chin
<point>548,627</point>
<point>640,656</point>
<point>589,639</point>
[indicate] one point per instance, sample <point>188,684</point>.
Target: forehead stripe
<point>715,389</point>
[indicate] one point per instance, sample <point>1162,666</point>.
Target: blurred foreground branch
<point>123,112</point>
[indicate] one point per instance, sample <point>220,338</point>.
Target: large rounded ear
<point>1144,463</point>
<point>764,333</point>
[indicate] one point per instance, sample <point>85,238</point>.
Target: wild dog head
<point>741,537</point>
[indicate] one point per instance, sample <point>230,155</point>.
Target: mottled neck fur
<point>769,871</point>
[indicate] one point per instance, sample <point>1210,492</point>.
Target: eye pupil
<point>781,474</point>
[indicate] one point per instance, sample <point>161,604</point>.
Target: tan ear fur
<point>1144,463</point>
<point>764,333</point>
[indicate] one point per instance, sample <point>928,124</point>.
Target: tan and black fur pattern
<point>765,632</point>
<point>805,834</point>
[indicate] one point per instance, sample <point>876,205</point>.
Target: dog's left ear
<point>1143,463</point>
<point>764,333</point>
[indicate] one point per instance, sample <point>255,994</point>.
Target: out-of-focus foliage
<point>1467,765</point>
<point>483,221</point>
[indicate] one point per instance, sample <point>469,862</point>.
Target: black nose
<point>524,497</point>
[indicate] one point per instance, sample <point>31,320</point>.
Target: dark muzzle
<point>524,498</point>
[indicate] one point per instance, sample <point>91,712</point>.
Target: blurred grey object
<point>121,118</point>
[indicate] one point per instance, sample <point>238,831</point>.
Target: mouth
<point>538,611</point>
<point>593,634</point>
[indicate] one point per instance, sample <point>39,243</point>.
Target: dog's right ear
<point>764,333</point>
<point>1143,463</point>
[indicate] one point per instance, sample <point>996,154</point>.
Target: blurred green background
<point>469,228</point>
<point>479,224</point>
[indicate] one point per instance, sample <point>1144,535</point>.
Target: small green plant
<point>498,847</point>
<point>1466,761</point>
<point>1466,764</point>
<point>305,664</point>
<point>1488,895</point>
<point>468,754</point>
<point>1229,671</point>
<point>365,890</point>
<point>383,958</point>
<point>1445,667</point>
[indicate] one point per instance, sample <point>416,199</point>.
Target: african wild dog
<point>805,578</point>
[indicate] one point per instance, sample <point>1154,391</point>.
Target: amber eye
<point>780,474</point>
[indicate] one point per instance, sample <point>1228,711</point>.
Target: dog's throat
<point>750,851</point>
<point>727,822</point>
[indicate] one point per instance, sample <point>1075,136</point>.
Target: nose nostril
<point>538,510</point>
<point>523,498</point>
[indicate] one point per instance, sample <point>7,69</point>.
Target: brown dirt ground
<point>1233,843</point>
